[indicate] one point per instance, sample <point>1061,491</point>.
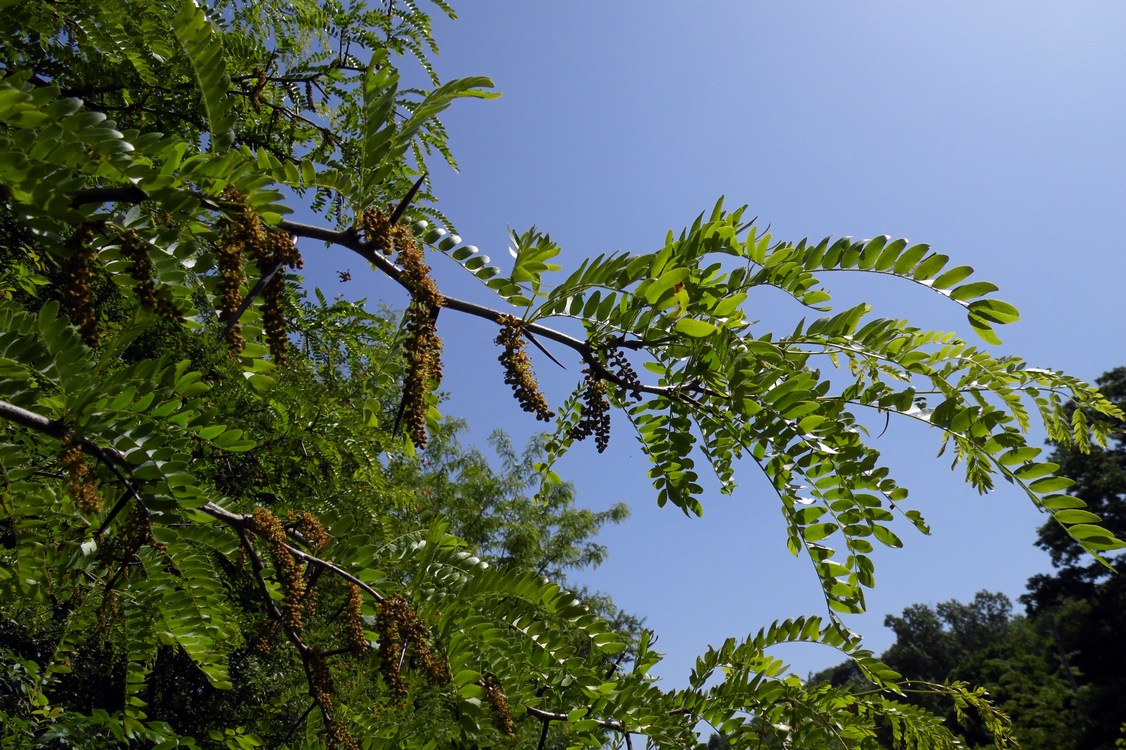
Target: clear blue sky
<point>993,131</point>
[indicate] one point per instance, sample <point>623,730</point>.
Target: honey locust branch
<point>351,239</point>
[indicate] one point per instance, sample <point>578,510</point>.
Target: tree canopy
<point>214,534</point>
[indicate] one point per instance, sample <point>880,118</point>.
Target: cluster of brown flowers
<point>78,482</point>
<point>310,529</point>
<point>244,235</point>
<point>354,620</point>
<point>518,369</point>
<point>380,233</point>
<point>79,274</point>
<point>321,687</point>
<point>238,236</point>
<point>401,629</point>
<point>263,640</point>
<point>143,272</point>
<point>595,417</point>
<point>494,694</point>
<point>267,525</point>
<point>279,251</point>
<point>423,346</point>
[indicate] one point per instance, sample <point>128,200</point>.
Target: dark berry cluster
<point>616,359</point>
<point>143,272</point>
<point>79,274</point>
<point>518,369</point>
<point>78,482</point>
<point>401,629</point>
<point>595,417</point>
<point>423,346</point>
<point>267,526</point>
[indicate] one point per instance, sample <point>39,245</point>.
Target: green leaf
<point>952,277</point>
<point>694,328</point>
<point>665,283</point>
<point>1051,484</point>
<point>930,266</point>
<point>970,291</point>
<point>1074,516</point>
<point>1032,471</point>
<point>994,311</point>
<point>204,47</point>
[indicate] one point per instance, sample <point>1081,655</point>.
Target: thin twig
<point>267,277</point>
<point>297,724</point>
<point>528,335</point>
<point>406,201</point>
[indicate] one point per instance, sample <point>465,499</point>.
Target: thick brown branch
<point>348,238</point>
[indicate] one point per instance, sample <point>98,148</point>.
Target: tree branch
<point>349,239</point>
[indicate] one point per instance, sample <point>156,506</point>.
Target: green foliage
<point>1057,672</point>
<point>182,517</point>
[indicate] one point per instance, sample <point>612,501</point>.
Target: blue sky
<point>993,131</point>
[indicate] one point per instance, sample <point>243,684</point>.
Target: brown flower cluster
<point>281,251</point>
<point>238,236</point>
<point>263,641</point>
<point>134,533</point>
<point>401,630</point>
<point>518,369</point>
<point>381,234</point>
<point>267,525</point>
<point>78,483</point>
<point>321,687</point>
<point>595,417</point>
<point>310,528</point>
<point>143,272</point>
<point>79,274</point>
<point>423,347</point>
<point>494,694</point>
<point>244,236</point>
<point>354,620</point>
